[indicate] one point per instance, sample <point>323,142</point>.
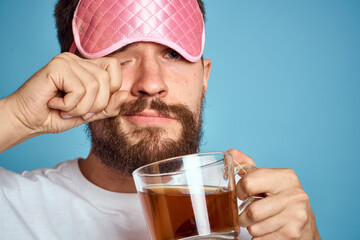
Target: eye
<point>124,62</point>
<point>172,54</point>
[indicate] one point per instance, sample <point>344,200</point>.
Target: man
<point>141,93</point>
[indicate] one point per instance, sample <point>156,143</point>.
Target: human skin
<point>148,70</point>
<point>285,213</point>
<point>95,89</point>
<point>91,86</point>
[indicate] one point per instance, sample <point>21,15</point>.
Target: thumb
<point>242,162</point>
<point>113,107</point>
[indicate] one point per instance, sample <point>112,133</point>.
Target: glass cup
<point>190,197</point>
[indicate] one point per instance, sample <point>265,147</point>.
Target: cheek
<point>127,79</point>
<point>194,80</point>
<point>125,86</point>
<point>190,92</point>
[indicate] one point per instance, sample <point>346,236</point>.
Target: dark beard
<point>113,147</point>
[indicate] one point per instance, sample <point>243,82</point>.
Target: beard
<point>117,151</point>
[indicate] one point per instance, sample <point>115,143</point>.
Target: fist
<point>67,92</point>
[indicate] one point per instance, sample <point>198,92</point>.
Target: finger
<point>71,97</point>
<point>113,67</point>
<point>263,209</point>
<point>114,106</point>
<point>91,85</point>
<point>286,232</point>
<point>241,161</point>
<point>67,120</point>
<point>103,94</point>
<point>73,89</point>
<point>267,226</point>
<point>286,223</point>
<point>269,181</point>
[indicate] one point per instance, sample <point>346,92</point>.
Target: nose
<point>150,80</point>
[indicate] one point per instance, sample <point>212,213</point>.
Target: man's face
<point>162,116</point>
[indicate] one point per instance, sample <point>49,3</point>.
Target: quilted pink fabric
<point>101,27</point>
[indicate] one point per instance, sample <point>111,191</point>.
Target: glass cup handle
<point>241,168</point>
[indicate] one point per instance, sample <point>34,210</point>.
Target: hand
<point>285,213</point>
<point>66,93</point>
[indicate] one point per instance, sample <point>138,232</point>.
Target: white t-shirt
<point>60,203</point>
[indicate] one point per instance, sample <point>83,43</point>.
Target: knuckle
<point>301,196</point>
<point>102,105</point>
<point>114,61</point>
<point>293,233</point>
<point>60,55</point>
<point>93,85</point>
<point>301,216</point>
<point>66,54</point>
<point>58,60</point>
<point>104,76</point>
<point>252,230</point>
<point>245,184</point>
<point>291,172</point>
<point>115,85</point>
<point>252,212</point>
<point>291,175</point>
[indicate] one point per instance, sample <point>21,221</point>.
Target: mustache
<point>143,102</point>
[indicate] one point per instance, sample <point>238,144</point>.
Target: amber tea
<point>171,212</point>
<point>189,197</point>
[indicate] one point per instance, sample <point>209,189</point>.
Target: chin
<point>152,135</point>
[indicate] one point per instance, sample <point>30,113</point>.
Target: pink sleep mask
<point>101,27</point>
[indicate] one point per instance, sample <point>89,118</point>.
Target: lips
<point>149,117</point>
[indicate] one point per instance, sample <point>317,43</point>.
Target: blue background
<point>284,89</point>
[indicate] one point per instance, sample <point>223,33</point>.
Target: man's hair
<point>64,12</point>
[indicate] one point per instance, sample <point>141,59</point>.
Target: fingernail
<point>242,169</point>
<point>105,113</point>
<point>249,167</point>
<point>88,115</point>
